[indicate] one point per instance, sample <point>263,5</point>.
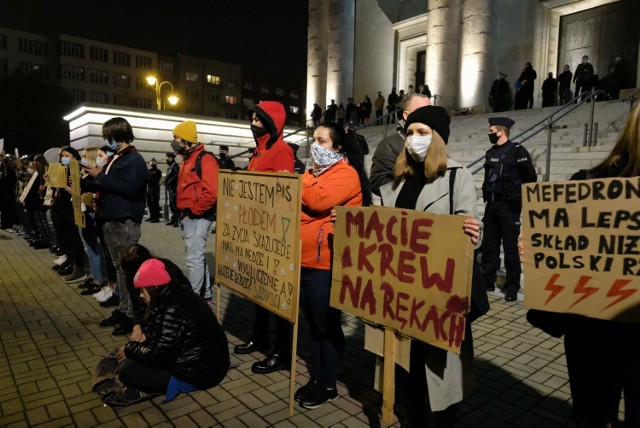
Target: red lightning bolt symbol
<point>617,290</point>
<point>553,287</point>
<point>581,288</point>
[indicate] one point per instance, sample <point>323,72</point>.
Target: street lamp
<point>172,98</point>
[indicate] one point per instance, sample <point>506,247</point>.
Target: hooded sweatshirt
<point>271,153</point>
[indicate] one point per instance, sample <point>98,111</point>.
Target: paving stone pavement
<point>51,343</point>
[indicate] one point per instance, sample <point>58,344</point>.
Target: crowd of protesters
<point>177,345</point>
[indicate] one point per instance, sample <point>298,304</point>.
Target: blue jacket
<point>123,188</point>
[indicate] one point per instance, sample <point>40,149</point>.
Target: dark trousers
<point>71,243</point>
<point>597,388</point>
<point>327,337</point>
<point>261,331</point>
<point>582,86</point>
<point>501,226</point>
<point>153,203</point>
<point>147,379</point>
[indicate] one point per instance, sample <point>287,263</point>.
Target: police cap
<point>501,121</point>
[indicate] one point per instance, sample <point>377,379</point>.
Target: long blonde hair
<point>624,159</point>
<point>90,153</point>
<point>435,162</point>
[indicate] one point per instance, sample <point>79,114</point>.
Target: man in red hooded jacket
<point>271,154</point>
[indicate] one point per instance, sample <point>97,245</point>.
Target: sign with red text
<point>406,270</point>
<point>258,238</point>
<point>582,247</point>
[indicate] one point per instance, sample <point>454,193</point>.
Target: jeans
<point>327,337</point>
<point>118,235</point>
<point>195,233</point>
<point>91,248</point>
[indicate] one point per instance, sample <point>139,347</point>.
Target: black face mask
<point>223,155</point>
<point>258,131</point>
<point>177,148</point>
<point>493,138</point>
<point>154,166</point>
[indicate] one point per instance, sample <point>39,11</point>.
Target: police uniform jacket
<point>506,168</point>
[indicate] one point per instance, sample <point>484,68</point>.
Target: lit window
<point>230,99</point>
<point>214,80</point>
<point>191,77</point>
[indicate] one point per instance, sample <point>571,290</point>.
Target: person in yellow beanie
<point>197,193</point>
<point>187,132</point>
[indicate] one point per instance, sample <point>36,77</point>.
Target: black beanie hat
<point>435,117</point>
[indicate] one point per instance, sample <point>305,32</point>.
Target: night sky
<point>263,34</point>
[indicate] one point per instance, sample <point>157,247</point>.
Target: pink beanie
<point>151,273</point>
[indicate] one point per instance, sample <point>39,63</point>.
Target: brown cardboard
<point>582,247</point>
<point>404,269</point>
<point>258,238</point>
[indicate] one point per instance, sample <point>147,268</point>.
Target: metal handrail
<point>632,99</point>
<point>548,122</point>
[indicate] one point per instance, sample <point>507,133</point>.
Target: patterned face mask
<point>417,145</point>
<point>323,158</point>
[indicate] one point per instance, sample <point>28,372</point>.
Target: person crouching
<point>184,347</point>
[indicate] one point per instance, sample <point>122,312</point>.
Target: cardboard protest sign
<point>582,247</point>
<point>403,269</point>
<point>76,199</point>
<point>258,238</point>
<point>27,187</point>
<point>56,175</point>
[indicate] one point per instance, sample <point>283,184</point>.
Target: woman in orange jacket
<point>337,178</point>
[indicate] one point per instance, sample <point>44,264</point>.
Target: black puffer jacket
<point>184,337</point>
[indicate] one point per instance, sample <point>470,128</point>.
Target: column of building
<point>443,50</point>
<point>317,54</point>
<point>340,50</point>
<point>474,56</point>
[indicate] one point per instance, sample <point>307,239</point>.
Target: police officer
<point>224,160</point>
<point>507,166</point>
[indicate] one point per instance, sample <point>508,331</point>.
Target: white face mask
<point>100,161</point>
<point>417,145</point>
<point>30,170</point>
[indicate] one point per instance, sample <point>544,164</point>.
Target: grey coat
<point>449,376</point>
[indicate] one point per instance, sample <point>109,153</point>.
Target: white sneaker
<point>103,294</point>
<point>60,260</point>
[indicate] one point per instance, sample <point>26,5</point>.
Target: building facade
<point>103,73</point>
<point>457,47</point>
